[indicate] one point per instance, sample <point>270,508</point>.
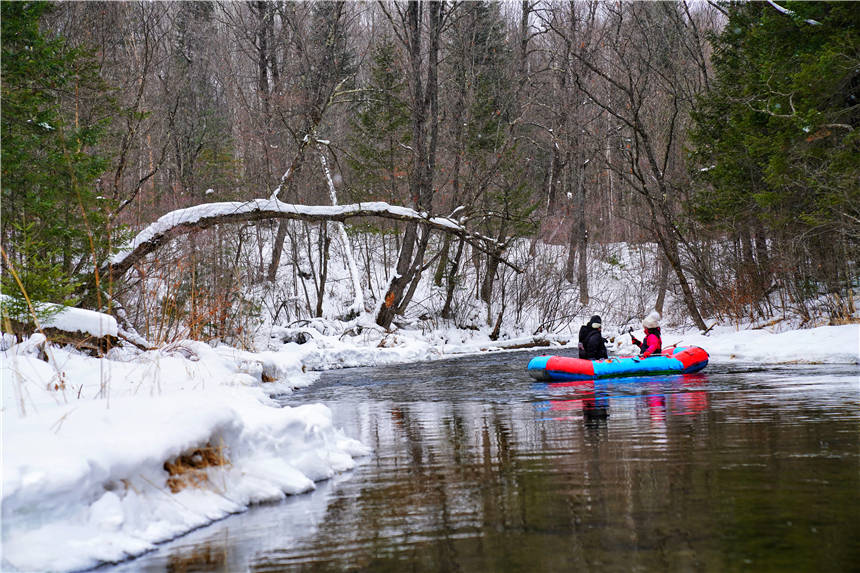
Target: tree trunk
<point>323,244</point>
<point>277,250</point>
<point>415,272</point>
<point>358,300</point>
<point>663,222</point>
<point>581,231</point>
<point>662,284</point>
<point>670,249</point>
<point>263,35</point>
<point>425,125</point>
<point>398,281</point>
<point>439,275</point>
<point>762,258</point>
<point>452,273</point>
<point>582,274</point>
<point>489,278</point>
<point>570,263</point>
<point>287,180</point>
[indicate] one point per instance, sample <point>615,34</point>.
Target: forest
<point>519,152</point>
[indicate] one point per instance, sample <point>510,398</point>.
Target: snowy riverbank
<point>103,458</point>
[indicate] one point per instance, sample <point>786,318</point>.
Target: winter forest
<point>473,164</point>
<point>292,285</point>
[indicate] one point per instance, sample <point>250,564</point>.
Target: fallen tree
<point>193,219</point>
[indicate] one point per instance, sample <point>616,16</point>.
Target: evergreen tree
<point>380,132</point>
<point>203,148</point>
<point>492,91</point>
<point>54,225</point>
<point>776,138</point>
<point>490,175</point>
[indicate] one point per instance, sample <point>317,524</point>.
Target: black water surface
<point>476,467</point>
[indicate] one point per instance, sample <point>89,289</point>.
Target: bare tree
<point>422,53</point>
<point>649,94</point>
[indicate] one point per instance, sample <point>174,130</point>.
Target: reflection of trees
<point>478,486</point>
<point>205,557</point>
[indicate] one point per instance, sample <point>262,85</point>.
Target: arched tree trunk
<point>192,219</point>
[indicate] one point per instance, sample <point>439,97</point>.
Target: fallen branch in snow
<point>192,219</point>
<point>707,330</point>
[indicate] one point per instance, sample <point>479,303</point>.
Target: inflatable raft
<point>680,360</point>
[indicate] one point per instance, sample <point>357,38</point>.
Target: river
<point>476,467</point>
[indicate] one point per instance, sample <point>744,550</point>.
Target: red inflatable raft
<point>680,360</point>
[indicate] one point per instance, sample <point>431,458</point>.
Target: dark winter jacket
<point>591,345</point>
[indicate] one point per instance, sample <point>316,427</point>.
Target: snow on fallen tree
<point>192,219</point>
<point>85,329</point>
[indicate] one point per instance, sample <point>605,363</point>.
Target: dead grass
<point>189,470</point>
<point>842,321</point>
<point>266,377</point>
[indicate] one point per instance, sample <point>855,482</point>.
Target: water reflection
<point>659,396</point>
<point>203,558</point>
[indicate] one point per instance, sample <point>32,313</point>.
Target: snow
<point>824,345</point>
<point>284,177</point>
<point>78,320</point>
<point>86,440</point>
<point>82,320</point>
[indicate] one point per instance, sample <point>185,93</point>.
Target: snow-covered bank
<point>822,345</point>
<point>91,448</point>
<point>103,458</point>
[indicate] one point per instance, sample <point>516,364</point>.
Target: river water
<point>476,467</point>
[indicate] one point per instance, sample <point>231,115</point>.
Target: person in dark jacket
<point>591,343</point>
<point>653,343</point>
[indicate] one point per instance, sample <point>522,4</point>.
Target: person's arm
<point>603,350</point>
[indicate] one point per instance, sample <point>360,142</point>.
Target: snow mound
<point>90,447</point>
